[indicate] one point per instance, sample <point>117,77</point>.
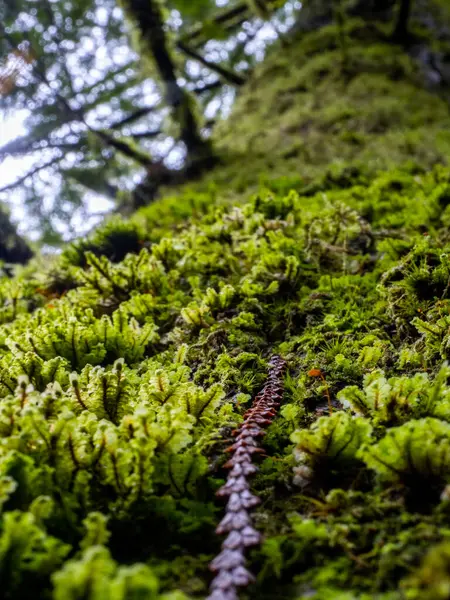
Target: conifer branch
<point>29,174</point>
<point>132,117</point>
<point>78,115</point>
<point>226,74</point>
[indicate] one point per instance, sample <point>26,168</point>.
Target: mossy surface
<point>318,114</point>
<point>126,363</point>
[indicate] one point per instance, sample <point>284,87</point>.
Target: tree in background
<point>100,115</point>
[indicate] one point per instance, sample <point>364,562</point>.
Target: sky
<point>12,168</point>
<point>12,126</point>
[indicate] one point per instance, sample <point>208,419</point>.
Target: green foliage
<point>96,575</point>
<point>399,398</point>
<point>105,145</point>
<point>114,240</point>
<point>328,145</point>
<point>119,394</point>
<point>331,443</point>
<point>431,581</point>
<point>28,555</point>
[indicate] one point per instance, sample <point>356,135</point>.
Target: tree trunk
<point>148,18</point>
<point>401,33</point>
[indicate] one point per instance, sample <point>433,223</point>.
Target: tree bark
<point>147,16</point>
<point>401,33</point>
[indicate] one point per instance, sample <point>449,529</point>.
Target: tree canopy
<point>117,94</point>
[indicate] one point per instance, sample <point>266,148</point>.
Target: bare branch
<point>207,87</point>
<point>147,134</point>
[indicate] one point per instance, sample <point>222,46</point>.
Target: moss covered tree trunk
<point>138,389</point>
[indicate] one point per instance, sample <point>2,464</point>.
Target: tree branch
<point>64,145</point>
<point>226,74</point>
<point>48,7</point>
<point>236,54</point>
<point>124,148</point>
<point>109,75</point>
<point>198,91</point>
<point>103,187</point>
<point>20,145</point>
<point>30,174</point>
<point>150,24</point>
<point>26,143</point>
<point>37,145</point>
<point>146,134</point>
<point>196,32</point>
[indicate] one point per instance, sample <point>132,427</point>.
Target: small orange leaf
<point>314,372</point>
